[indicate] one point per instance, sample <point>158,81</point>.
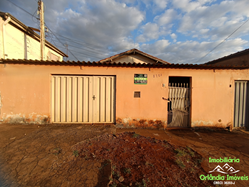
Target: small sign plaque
<point>140,78</point>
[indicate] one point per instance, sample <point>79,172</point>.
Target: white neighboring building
<point>18,41</point>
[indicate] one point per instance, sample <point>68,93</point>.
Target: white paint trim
<point>4,43</point>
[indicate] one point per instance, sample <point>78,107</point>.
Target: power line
<point>223,40</point>
<point>88,55</point>
<point>20,8</point>
<point>80,43</point>
<point>60,41</point>
<point>45,24</point>
<point>94,49</point>
<point>86,50</point>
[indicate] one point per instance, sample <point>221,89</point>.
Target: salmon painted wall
<point>25,93</point>
<point>212,95</point>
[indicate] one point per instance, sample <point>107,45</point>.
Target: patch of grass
<point>192,170</point>
<point>156,141</point>
<point>117,174</point>
<point>165,145</point>
<point>180,152</point>
<point>180,163</point>
<point>141,184</point>
<point>135,135</point>
<point>76,153</point>
<point>144,182</point>
<point>127,171</point>
<point>190,152</point>
<point>113,184</point>
<point>138,184</point>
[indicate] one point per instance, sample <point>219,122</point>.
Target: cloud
<point>188,5</point>
<point>155,48</point>
<point>173,36</point>
<point>192,51</point>
<point>107,27</point>
<point>105,23</point>
<point>215,21</point>
<point>150,32</point>
<point>162,4</point>
<point>167,17</point>
<point>160,26</point>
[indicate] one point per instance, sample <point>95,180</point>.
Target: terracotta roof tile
<point>240,53</point>
<point>119,64</point>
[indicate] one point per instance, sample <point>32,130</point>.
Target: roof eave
<point>118,64</point>
<point>30,32</point>
<point>133,51</point>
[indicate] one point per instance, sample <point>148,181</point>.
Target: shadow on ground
<point>34,155</point>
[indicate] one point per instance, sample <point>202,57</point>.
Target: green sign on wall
<point>140,78</point>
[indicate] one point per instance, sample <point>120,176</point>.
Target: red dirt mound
<point>143,161</point>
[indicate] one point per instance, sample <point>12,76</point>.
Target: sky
<point>177,31</point>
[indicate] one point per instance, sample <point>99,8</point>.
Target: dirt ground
<point>86,155</point>
<point>209,144</point>
<point>31,155</point>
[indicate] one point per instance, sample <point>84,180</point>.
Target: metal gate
<point>241,104</point>
<point>178,106</point>
<point>82,99</point>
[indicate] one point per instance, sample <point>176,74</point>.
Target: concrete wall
<point>25,93</point>
<point>21,46</point>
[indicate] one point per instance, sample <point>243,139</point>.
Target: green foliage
<point>180,152</point>
<point>192,170</point>
<point>180,163</point>
<point>190,152</point>
<point>165,145</point>
<point>136,135</point>
<point>76,153</point>
<point>144,183</point>
<point>113,184</point>
<point>127,171</point>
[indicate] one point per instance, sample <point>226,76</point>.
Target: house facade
<point>240,58</point>
<point>18,41</point>
<point>134,56</point>
<point>125,94</point>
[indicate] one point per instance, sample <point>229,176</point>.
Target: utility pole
<point>42,32</point>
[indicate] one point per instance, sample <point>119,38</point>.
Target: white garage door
<point>82,99</point>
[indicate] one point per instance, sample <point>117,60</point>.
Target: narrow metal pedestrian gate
<point>82,99</point>
<point>241,104</point>
<point>179,103</point>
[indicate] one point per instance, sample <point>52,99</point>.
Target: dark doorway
<point>179,102</point>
